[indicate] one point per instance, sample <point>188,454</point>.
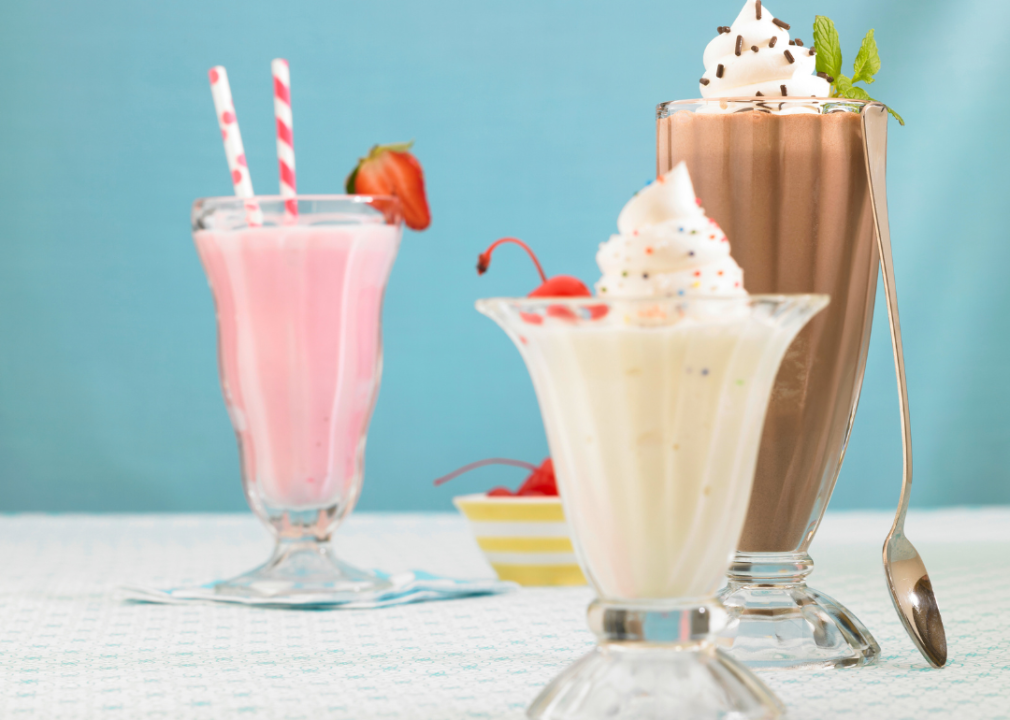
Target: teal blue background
<point>532,118</point>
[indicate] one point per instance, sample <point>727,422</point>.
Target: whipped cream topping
<point>666,246</point>
<point>755,58</point>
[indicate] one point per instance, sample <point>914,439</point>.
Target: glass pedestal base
<point>777,622</point>
<point>654,663</point>
<point>304,571</point>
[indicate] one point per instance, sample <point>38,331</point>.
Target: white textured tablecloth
<point>70,649</point>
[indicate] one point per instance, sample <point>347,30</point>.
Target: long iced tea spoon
<point>907,579</point>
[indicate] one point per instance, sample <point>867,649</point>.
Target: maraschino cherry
<point>541,481</point>
<point>557,286</point>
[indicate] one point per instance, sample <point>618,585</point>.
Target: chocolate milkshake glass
<point>787,180</point>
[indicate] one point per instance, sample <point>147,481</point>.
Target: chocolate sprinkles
<point>739,45</point>
<point>754,48</point>
<point>784,93</point>
<point>704,81</point>
<point>719,71</point>
<point>760,94</point>
<point>792,42</point>
<point>825,76</point>
<point>789,57</point>
<point>723,29</point>
<point>771,43</point>
<point>757,8</point>
<point>813,51</point>
<point>783,25</point>
<point>798,42</point>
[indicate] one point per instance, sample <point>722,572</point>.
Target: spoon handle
<point>907,579</point>
<point>875,139</point>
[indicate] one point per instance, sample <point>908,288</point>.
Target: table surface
<point>70,648</point>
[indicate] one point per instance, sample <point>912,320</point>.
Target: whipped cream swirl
<point>666,246</point>
<point>755,58</point>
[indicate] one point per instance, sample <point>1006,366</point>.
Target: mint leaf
<point>867,61</point>
<point>842,85</point>
<point>857,93</point>
<point>829,61</point>
<point>845,89</point>
<point>829,50</point>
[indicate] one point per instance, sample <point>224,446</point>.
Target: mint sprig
<point>829,62</point>
<point>867,61</point>
<point>829,51</point>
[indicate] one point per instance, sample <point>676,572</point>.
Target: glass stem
<point>770,569</point>
<point>687,623</point>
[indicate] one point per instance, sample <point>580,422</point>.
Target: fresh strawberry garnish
<point>393,170</point>
<point>557,286</point>
<point>541,481</point>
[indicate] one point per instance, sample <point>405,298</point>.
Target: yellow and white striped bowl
<point>525,539</point>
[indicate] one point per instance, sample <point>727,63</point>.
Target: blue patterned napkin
<point>409,587</point>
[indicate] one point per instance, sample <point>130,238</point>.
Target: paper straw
<point>285,134</point>
<point>233,150</point>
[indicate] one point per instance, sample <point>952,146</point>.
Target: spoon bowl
<point>912,594</point>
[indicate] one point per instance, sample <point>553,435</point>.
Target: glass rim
<point>755,100</point>
<point>233,212</point>
<point>653,299</point>
<point>356,198</point>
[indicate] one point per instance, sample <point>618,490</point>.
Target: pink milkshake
<point>299,306</point>
<point>298,310</point>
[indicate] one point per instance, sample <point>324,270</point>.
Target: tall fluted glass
<point>653,410</point>
<point>787,180</point>
<point>299,307</point>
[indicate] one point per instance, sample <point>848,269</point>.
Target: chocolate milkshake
<point>780,166</point>
<point>792,191</point>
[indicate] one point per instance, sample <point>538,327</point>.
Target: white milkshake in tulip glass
<point>653,396</point>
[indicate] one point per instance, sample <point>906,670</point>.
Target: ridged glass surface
<point>787,182</point>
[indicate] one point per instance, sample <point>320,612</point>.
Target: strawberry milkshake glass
<point>299,306</point>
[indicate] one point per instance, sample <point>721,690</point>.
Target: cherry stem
<point>481,463</point>
<point>485,257</point>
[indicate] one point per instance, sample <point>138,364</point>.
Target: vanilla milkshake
<point>653,395</point>
<point>654,415</point>
<point>654,422</point>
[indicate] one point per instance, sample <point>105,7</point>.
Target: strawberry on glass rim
<point>393,170</point>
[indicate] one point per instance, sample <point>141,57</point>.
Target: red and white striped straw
<point>233,150</point>
<point>285,134</point>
